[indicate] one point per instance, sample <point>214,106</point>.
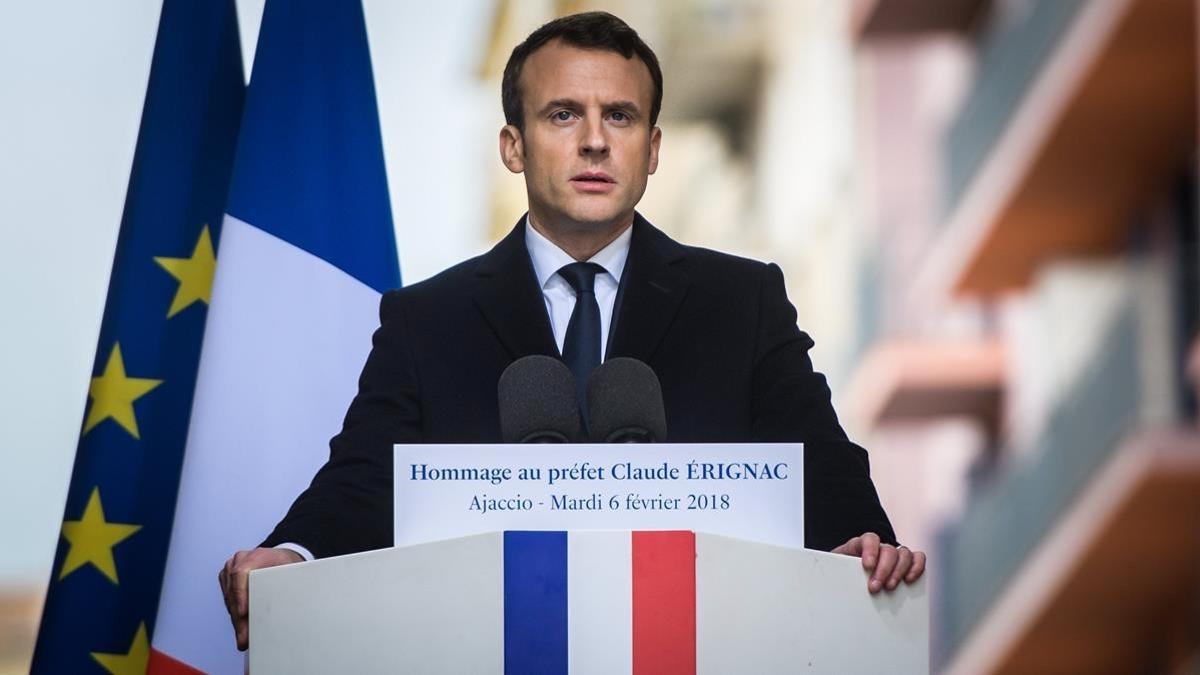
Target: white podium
<point>584,602</point>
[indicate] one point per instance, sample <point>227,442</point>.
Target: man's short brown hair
<point>588,30</point>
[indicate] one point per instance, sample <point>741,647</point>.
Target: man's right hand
<point>235,584</point>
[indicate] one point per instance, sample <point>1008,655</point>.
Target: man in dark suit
<point>584,276</point>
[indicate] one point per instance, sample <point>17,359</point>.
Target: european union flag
<point>107,573</point>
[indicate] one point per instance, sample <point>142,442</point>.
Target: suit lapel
<point>652,289</point>
<point>507,294</point>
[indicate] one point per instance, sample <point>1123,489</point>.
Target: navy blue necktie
<point>581,348</point>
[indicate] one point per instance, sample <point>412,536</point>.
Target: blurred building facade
<point>1036,300</point>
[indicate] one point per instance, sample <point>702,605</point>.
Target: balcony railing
<point>868,281</point>
<point>1008,61</point>
<point>981,553</point>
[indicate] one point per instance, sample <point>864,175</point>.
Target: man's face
<point>588,147</point>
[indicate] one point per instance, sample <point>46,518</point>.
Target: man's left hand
<point>887,564</point>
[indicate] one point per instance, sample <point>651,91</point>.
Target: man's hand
<point>235,584</point>
<point>887,563</point>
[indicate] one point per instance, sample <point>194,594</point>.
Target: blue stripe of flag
<point>323,192</point>
<point>535,602</point>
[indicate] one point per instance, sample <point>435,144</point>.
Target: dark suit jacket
<point>717,329</point>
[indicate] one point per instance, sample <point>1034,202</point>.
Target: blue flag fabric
<point>107,573</point>
<point>310,158</point>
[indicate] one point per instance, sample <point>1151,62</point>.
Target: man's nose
<point>594,141</point>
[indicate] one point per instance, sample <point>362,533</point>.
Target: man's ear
<point>512,148</point>
<point>655,139</point>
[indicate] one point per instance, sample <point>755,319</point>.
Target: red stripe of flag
<point>161,664</point>
<point>664,603</point>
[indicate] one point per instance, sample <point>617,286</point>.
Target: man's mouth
<point>593,182</point>
<point>593,177</point>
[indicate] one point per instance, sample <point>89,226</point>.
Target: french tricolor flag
<point>599,602</point>
<point>307,247</point>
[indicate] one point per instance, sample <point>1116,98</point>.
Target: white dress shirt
<point>548,259</point>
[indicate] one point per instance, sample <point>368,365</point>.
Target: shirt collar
<point>548,258</point>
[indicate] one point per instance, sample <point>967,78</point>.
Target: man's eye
<point>563,115</point>
<point>619,116</point>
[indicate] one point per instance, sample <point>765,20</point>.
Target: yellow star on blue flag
<point>194,274</point>
<point>113,394</point>
<point>132,662</point>
<point>92,539</point>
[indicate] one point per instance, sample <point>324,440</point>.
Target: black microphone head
<point>625,403</point>
<point>538,402</point>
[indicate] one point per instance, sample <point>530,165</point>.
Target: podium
<point>584,602</point>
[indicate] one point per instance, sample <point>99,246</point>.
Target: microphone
<point>625,403</point>
<point>538,402</point>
